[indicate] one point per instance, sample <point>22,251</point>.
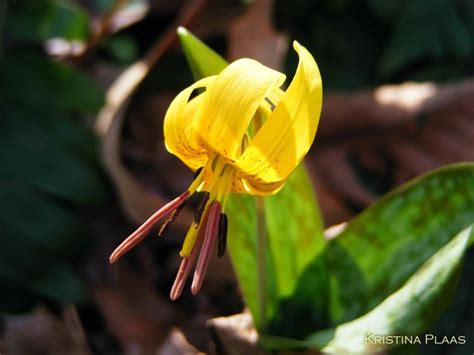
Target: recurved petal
<point>180,137</point>
<point>287,134</point>
<point>244,184</point>
<point>260,187</point>
<point>230,103</point>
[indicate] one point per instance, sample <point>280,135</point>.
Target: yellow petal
<point>287,134</point>
<point>257,187</point>
<point>180,137</point>
<point>230,102</point>
<point>241,184</point>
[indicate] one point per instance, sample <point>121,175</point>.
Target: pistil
<point>187,263</point>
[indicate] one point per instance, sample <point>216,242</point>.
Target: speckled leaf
<point>295,238</point>
<point>381,249</point>
<point>408,311</point>
<point>292,220</point>
<point>383,246</point>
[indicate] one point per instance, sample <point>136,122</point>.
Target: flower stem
<point>261,262</point>
<point>261,245</point>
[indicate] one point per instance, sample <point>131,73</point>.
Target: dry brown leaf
<point>176,344</point>
<point>40,332</point>
<point>236,335</point>
<point>393,134</point>
<point>134,313</point>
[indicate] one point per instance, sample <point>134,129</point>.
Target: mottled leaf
<point>383,246</point>
<point>408,311</point>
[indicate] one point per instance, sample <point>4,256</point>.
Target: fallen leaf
<point>371,141</point>
<point>40,332</point>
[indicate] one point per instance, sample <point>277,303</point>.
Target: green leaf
<point>52,128</point>
<point>202,59</point>
<point>33,266</point>
<point>295,238</point>
<point>49,167</point>
<point>383,246</point>
<point>69,21</point>
<point>242,212</point>
<point>294,235</point>
<point>31,213</point>
<point>408,311</point>
<point>292,222</point>
<point>38,82</point>
<point>424,32</point>
<point>378,252</point>
<point>46,171</point>
<point>15,298</point>
<point>295,229</point>
<point>39,20</point>
<point>121,48</point>
<point>386,11</point>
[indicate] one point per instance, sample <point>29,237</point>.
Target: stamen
<point>137,236</point>
<point>202,206</point>
<point>181,277</point>
<point>171,217</point>
<point>222,235</point>
<point>272,105</point>
<point>208,244</point>
<point>187,264</point>
<point>199,178</point>
<point>196,174</point>
<point>189,241</point>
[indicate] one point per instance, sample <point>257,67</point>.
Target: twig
<point>136,201</point>
<point>190,10</point>
<point>101,30</point>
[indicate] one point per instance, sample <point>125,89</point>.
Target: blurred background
<point>83,160</point>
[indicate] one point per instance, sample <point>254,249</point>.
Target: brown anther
<point>170,219</point>
<point>201,208</point>
<point>222,235</point>
<point>142,231</point>
<point>197,172</point>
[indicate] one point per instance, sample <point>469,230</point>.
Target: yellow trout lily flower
<point>241,133</point>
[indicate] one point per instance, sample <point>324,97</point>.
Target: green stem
<point>261,262</point>
<point>261,244</point>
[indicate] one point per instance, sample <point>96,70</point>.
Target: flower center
<point>214,181</point>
